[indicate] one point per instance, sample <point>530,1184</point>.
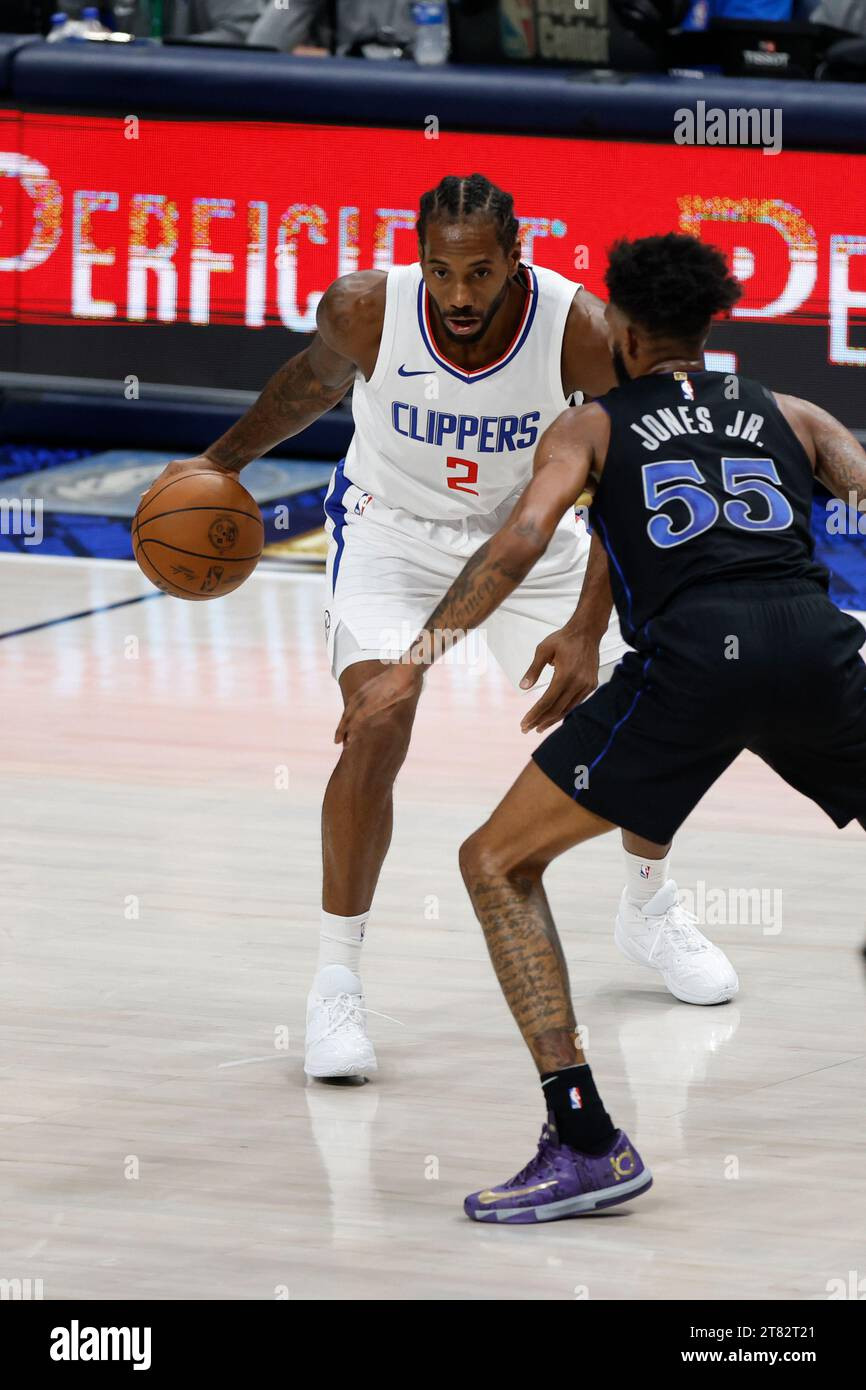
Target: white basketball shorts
<point>387,570</point>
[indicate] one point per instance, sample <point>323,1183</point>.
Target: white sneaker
<point>337,1042</point>
<point>663,936</point>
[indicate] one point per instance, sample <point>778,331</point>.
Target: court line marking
<point>96,561</point>
<point>282,576</point>
<point>248,1061</point>
<point>73,617</point>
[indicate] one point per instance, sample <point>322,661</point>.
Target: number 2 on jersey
<point>680,480</point>
<point>460,482</point>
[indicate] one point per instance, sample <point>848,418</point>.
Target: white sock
<point>644,877</point>
<point>340,941</point>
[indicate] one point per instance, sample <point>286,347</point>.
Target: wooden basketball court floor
<point>163,765</point>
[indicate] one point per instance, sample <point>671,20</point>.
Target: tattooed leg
<point>502,866</point>
<point>527,957</point>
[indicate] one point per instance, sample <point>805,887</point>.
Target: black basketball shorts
<point>771,667</point>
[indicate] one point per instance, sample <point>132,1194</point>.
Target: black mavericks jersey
<point>698,488</point>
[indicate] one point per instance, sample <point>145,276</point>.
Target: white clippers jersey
<point>441,442</point>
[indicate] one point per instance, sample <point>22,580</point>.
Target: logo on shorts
<point>645,870</point>
<point>363,503</point>
<point>575,1098</point>
<point>327,622</point>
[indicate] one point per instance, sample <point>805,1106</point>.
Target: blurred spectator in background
<point>341,26</point>
<point>306,27</point>
<point>214,21</point>
<point>842,14</point>
<point>209,21</point>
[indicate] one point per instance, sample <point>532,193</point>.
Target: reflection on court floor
<point>163,765</point>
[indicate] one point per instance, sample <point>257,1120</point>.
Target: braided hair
<point>456,197</point>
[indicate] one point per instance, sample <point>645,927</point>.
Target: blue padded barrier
<point>236,83</point>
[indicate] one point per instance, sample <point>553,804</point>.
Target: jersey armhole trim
<point>563,311</point>
<point>386,342</point>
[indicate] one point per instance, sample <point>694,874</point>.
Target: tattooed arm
<point>563,460</point>
<point>837,458</point>
<point>349,327</point>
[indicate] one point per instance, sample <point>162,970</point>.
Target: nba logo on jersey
<point>687,389</point>
<point>575,1099</point>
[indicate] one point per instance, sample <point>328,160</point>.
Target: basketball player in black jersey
<point>703,507</point>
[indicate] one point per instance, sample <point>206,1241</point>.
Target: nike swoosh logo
<point>401,371</point>
<point>488,1196</point>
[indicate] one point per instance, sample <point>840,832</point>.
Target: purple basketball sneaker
<point>560,1182</point>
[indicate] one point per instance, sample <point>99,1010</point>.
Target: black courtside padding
<point>10,44</point>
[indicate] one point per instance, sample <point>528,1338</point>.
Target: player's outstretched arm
<point>838,459</point>
<point>563,460</point>
<point>349,326</point>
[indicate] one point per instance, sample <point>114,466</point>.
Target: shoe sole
<point>722,996</point>
<point>353,1069</point>
<point>581,1205</point>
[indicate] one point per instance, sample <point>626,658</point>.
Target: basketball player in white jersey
<point>459,363</point>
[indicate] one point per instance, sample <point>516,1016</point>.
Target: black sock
<point>581,1119</point>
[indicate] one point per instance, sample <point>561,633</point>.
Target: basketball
<point>199,536</point>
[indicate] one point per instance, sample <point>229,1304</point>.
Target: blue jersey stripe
<point>618,725</point>
<point>622,579</point>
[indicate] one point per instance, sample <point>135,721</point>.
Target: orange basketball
<point>199,535</point>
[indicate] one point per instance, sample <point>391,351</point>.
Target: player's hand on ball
<point>199,464</point>
<point>402,681</point>
<point>573,654</point>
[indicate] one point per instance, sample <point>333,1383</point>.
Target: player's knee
<point>482,859</point>
<point>379,747</point>
<point>473,858</point>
